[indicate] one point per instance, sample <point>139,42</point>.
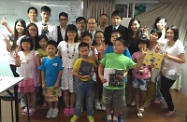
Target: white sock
<point>109,117</point>
<point>115,118</point>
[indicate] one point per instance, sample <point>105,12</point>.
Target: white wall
<point>184,78</point>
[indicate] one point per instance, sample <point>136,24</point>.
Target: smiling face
<point>161,24</point>
<point>32,31</point>
<point>170,34</point>
<point>87,39</point>
<point>135,26</point>
<point>71,35</point>
<point>63,21</point>
<point>99,37</point>
<point>119,48</point>
<point>32,14</point>
<point>92,24</point>
<point>114,36</point>
<point>153,37</point>
<point>26,46</point>
<point>19,27</point>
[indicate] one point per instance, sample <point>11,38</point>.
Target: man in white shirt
<point>103,22</point>
<point>46,28</point>
<point>61,29</point>
<point>92,24</point>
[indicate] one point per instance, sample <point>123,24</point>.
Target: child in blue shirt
<point>51,68</point>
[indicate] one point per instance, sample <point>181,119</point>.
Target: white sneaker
<point>54,113</point>
<point>97,105</point>
<point>139,114</point>
<point>49,113</point>
<point>103,107</point>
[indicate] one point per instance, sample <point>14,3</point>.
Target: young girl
<point>141,77</point>
<point>174,58</point>
<point>100,47</point>
<point>68,50</point>
<point>26,60</point>
<point>42,40</point>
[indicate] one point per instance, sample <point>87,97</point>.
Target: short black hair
<point>103,15</point>
<point>115,31</point>
<point>79,19</point>
<point>26,39</point>
<point>45,9</point>
<point>71,27</point>
<point>143,39</point>
<point>117,13</point>
<point>42,37</point>
<point>52,42</point>
<point>83,44</point>
<point>64,14</point>
<point>156,31</point>
<point>175,31</point>
<point>86,33</point>
<point>121,39</point>
<point>32,8</point>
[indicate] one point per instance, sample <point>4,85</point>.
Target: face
<point>42,43</point>
<point>81,25</point>
<point>87,39</point>
<point>71,35</point>
<point>63,21</point>
<point>170,34</point>
<point>153,37</point>
<point>119,48</point>
<point>103,20</point>
<point>92,24</point>
<point>142,46</point>
<point>32,14</point>
<point>113,37</point>
<point>116,20</point>
<point>84,51</point>
<point>99,38</point>
<point>135,26</point>
<point>45,16</point>
<point>161,24</point>
<point>32,31</point>
<point>19,27</point>
<point>51,50</point>
<point>26,46</point>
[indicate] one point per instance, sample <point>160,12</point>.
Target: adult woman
<point>174,58</point>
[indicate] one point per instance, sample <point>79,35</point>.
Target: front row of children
<point>51,69</point>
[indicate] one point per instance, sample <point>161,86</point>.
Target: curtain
<point>93,8</point>
<point>175,12</point>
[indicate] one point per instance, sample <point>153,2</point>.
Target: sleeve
<point>127,53</point>
<point>54,33</point>
<point>36,53</point>
<point>133,56</point>
<point>180,48</point>
<point>95,50</point>
<point>77,64</point>
<point>42,66</point>
<point>103,60</point>
<point>60,64</point>
<point>131,63</point>
<point>19,40</point>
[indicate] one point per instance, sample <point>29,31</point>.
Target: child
<point>42,46</point>
<point>27,59</point>
<point>68,50</point>
<point>100,47</point>
<point>114,96</point>
<point>51,74</point>
<point>84,70</point>
<point>141,77</point>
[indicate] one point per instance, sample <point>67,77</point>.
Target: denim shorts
<point>140,83</point>
<point>113,98</point>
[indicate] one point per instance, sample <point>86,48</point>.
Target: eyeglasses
<point>33,29</point>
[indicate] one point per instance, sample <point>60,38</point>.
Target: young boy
<point>141,77</point>
<point>51,74</point>
<point>113,94</point>
<point>115,20</point>
<point>45,27</point>
<point>84,69</point>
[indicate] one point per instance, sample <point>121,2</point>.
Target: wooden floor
<point>151,114</point>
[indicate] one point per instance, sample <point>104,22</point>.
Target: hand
<point>43,85</point>
<point>86,77</point>
<point>6,39</point>
<point>104,80</point>
<point>93,48</point>
<point>42,59</point>
<point>144,29</point>
<point>122,77</point>
<point>166,55</point>
<point>163,70</point>
<point>45,28</point>
<point>38,81</point>
<point>152,65</point>
<point>158,48</point>
<point>3,22</point>
<point>56,85</point>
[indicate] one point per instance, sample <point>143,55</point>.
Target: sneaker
<point>147,104</point>
<point>54,113</point>
<point>121,118</point>
<point>71,111</point>
<point>170,114</point>
<point>74,118</point>
<point>31,111</point>
<point>139,114</point>
<point>49,113</point>
<point>90,118</point>
<point>24,112</point>
<point>141,109</point>
<point>97,105</point>
<point>103,108</point>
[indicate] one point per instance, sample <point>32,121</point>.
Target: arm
<point>4,22</point>
<point>59,54</point>
<point>8,45</point>
<point>180,59</point>
<point>37,66</point>
<point>43,79</point>
<point>58,79</point>
<point>75,73</point>
<point>100,72</point>
<point>18,61</point>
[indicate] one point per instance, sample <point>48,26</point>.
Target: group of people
<point>101,64</point>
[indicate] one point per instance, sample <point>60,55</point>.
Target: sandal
<point>170,114</point>
<point>31,111</point>
<point>66,112</point>
<point>24,112</point>
<point>71,111</point>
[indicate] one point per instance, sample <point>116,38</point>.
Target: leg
<point>66,98</point>
<point>72,100</point>
<point>89,97</point>
<point>149,94</point>
<point>130,89</point>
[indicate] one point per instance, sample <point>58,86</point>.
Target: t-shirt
<point>144,72</point>
<point>116,61</point>
<point>84,67</point>
<point>51,67</point>
<point>110,49</point>
<point>172,68</point>
<point>42,53</point>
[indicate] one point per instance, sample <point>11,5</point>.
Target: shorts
<point>113,98</point>
<point>140,83</point>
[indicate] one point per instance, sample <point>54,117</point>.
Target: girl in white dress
<point>27,60</point>
<point>68,50</point>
